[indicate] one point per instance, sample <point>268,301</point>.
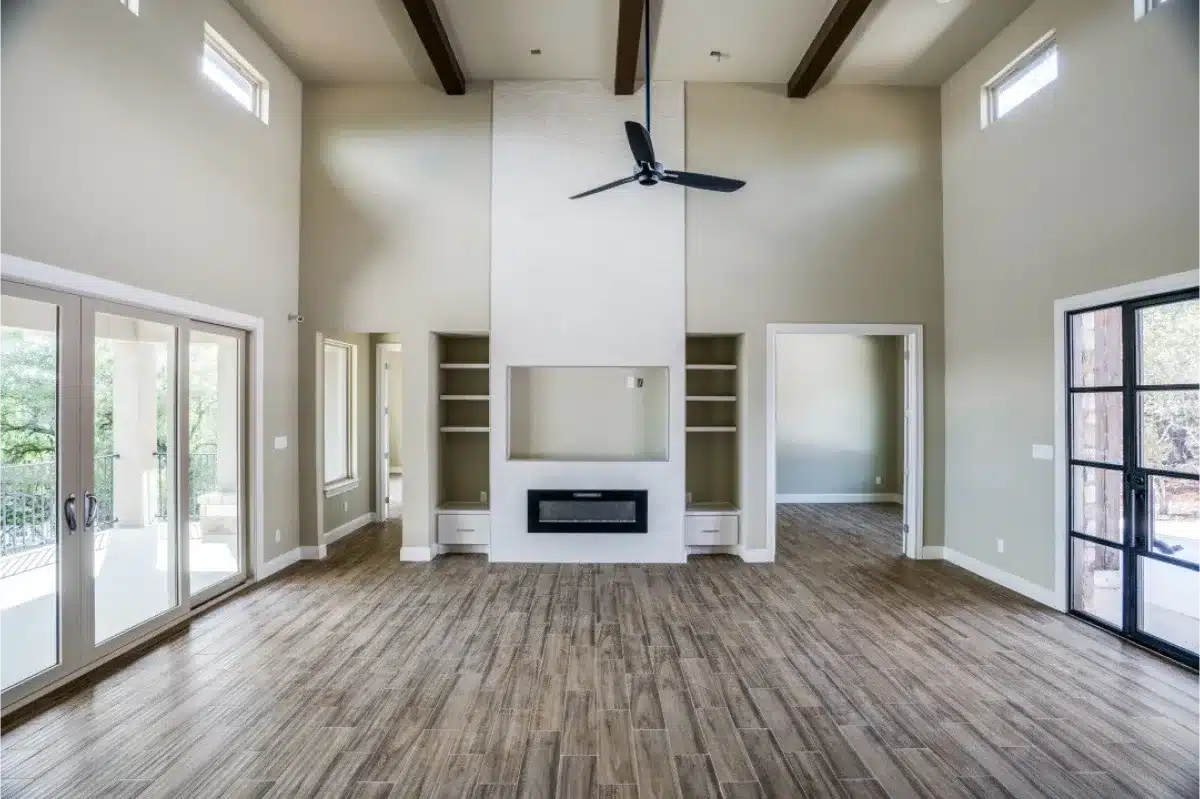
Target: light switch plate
<point>1043,452</point>
<point>280,442</point>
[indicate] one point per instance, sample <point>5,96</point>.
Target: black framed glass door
<point>1134,506</point>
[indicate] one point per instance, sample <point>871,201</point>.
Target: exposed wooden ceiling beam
<point>629,35</point>
<point>833,34</point>
<point>432,33</point>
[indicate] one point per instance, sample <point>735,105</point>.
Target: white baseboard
<point>278,563</point>
<point>756,555</point>
<point>829,499</point>
<point>933,553</point>
<point>313,553</point>
<point>1010,581</point>
<point>416,554</point>
<point>461,549</point>
<point>343,530</point>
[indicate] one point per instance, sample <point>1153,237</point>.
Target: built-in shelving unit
<point>713,516</point>
<point>464,424</point>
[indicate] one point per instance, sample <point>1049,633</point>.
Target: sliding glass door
<point>1134,509</point>
<point>122,495</point>
<point>40,486</point>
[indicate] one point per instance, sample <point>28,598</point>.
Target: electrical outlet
<point>483,497</point>
<point>277,536</point>
<point>878,480</point>
<point>1000,545</point>
<point>346,506</point>
<point>688,498</point>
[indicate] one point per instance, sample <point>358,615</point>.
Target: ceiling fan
<point>648,171</point>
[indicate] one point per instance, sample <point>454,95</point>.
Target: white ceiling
<point>906,42</point>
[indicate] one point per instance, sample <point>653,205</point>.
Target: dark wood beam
<point>629,44</point>
<point>833,34</point>
<point>432,33</point>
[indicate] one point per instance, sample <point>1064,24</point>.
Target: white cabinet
<point>464,528</point>
<point>710,529</point>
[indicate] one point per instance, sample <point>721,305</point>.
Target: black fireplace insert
<point>587,511</point>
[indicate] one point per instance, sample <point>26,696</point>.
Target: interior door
<point>40,487</point>
<point>1134,506</point>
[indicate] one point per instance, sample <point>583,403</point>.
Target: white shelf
<point>711,399</point>
<point>711,429</point>
<point>466,397</point>
<point>712,367</point>
<point>699,508</point>
<point>465,429</point>
<point>465,366</point>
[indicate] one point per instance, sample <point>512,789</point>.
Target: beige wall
<point>395,237</point>
<point>840,222</point>
<point>121,160</point>
<point>838,408</point>
<point>344,507</point>
<point>1089,184</point>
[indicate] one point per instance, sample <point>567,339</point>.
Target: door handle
<point>1140,515</point>
<point>69,512</point>
<point>90,504</point>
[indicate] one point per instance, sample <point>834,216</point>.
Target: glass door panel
<point>39,484</point>
<point>1097,452</point>
<point>216,521</point>
<point>131,513</point>
<point>1169,603</point>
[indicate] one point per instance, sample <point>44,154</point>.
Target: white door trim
<point>381,429</point>
<point>1130,291</point>
<point>914,429</point>
<point>47,276</point>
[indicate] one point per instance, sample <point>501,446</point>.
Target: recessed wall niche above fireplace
<point>587,511</point>
<point>588,413</point>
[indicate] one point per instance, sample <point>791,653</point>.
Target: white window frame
<point>132,5</point>
<point>350,480</point>
<point>1012,73</point>
<point>260,94</point>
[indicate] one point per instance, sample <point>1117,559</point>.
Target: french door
<point>121,493</point>
<point>1134,440</point>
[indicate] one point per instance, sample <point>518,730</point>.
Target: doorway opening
<point>389,376</point>
<point>844,422</point>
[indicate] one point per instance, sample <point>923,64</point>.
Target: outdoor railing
<point>29,502</point>
<point>202,479</point>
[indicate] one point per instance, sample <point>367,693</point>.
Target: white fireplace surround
<point>591,282</point>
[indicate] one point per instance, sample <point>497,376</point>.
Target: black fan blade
<point>695,180</point>
<point>606,186</point>
<point>639,142</point>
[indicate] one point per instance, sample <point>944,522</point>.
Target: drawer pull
<point>464,530</point>
<point>717,530</point>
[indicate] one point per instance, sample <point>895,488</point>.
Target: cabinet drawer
<point>464,528</point>
<point>710,530</point>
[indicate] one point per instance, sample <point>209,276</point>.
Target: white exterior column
<point>135,472</point>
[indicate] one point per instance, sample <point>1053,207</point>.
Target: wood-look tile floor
<point>841,671</point>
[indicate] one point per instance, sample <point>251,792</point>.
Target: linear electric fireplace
<point>587,511</point>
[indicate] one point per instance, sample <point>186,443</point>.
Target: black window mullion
<point>1131,456</point>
